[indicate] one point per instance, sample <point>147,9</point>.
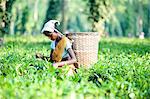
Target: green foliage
<point>24,19</point>
<point>76,16</point>
<point>98,10</point>
<point>120,18</point>
<point>122,71</point>
<point>130,17</point>
<point>53,10</point>
<point>113,17</point>
<point>27,16</point>
<point>5,16</point>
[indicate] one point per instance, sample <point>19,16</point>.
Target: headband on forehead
<point>50,26</point>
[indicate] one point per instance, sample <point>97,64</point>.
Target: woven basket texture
<point>85,46</point>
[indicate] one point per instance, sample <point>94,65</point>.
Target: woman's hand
<point>39,55</point>
<point>54,64</point>
<point>59,64</point>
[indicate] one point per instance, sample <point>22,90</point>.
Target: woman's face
<point>53,36</point>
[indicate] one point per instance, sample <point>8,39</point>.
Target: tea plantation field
<point>122,71</point>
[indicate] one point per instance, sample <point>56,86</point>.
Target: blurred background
<point>121,18</point>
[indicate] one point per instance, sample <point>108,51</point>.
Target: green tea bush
<point>122,71</point>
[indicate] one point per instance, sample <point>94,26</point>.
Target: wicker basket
<point>85,46</point>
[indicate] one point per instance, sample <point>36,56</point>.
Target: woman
<point>61,51</point>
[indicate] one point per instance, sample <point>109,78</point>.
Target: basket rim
<point>84,33</point>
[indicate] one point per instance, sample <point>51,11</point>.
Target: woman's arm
<point>68,62</point>
<point>48,58</point>
<point>40,56</point>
